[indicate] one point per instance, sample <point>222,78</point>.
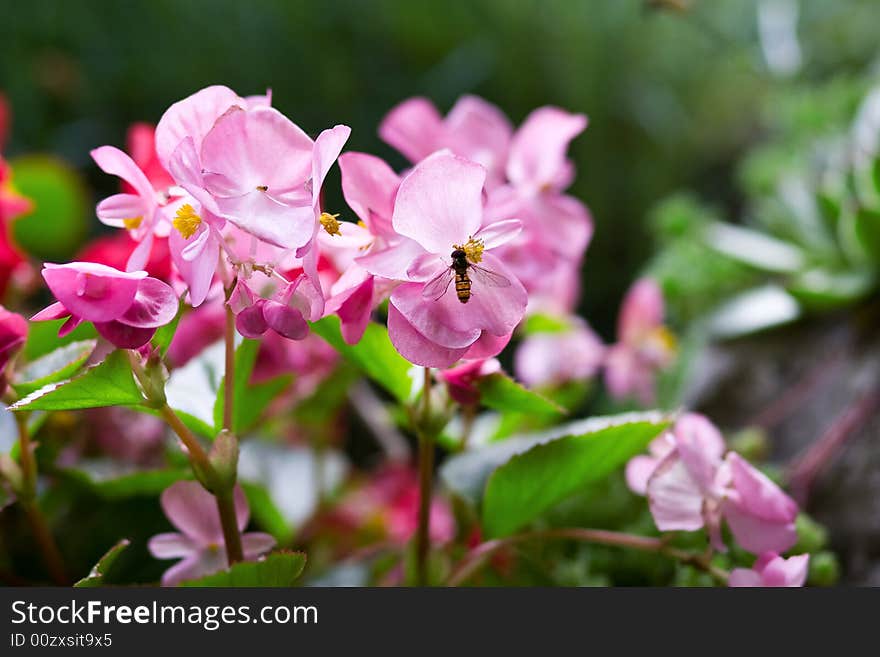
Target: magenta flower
<point>473,129</point>
<point>13,333</point>
<point>772,570</point>
<point>438,211</point>
<point>550,359</point>
<point>644,345</point>
<point>690,484</point>
<point>285,312</point>
<point>461,380</point>
<point>125,307</point>
<point>199,543</point>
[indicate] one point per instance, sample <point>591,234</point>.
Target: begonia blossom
<point>771,570</point>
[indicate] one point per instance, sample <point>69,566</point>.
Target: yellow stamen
<point>186,221</point>
<point>134,222</point>
<point>330,223</point>
<point>473,249</point>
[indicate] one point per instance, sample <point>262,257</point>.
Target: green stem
<point>426,475</point>
<point>36,519</point>
<point>229,523</point>
<point>229,377</point>
<point>477,557</point>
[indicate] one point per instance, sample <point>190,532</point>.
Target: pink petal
<point>113,209</point>
<point>205,562</point>
<point>154,305</point>
<point>439,204</point>
<point>171,546</point>
<point>538,150</point>
<point>124,336</point>
<point>700,446</point>
<point>193,511</point>
<point>369,186</point>
<point>117,163</point>
<point>140,256</point>
<point>744,577</point>
<point>192,117</point>
<point>639,471</point>
<point>758,493</point>
<point>757,534</point>
<point>197,272</point>
<point>675,499</point>
<point>256,543</point>
<point>250,322</point>
<point>265,218</point>
<point>415,347</point>
<point>641,312</point>
<point>479,131</point>
<point>53,311</point>
<point>487,345</point>
<point>354,307</point>
<point>327,148</point>
<point>258,147</point>
<point>499,232</point>
<point>414,128</point>
<point>285,321</point>
<point>572,224</point>
<point>786,572</point>
<point>94,292</point>
<point>393,262</point>
<point>186,167</point>
<point>432,319</point>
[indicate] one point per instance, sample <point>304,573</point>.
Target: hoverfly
<point>462,269</point>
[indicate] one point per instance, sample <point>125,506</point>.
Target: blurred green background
<point>676,91</point>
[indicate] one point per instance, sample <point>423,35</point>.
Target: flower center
<point>473,249</point>
<point>133,223</point>
<point>330,223</point>
<point>186,221</point>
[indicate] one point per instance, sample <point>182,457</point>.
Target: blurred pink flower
<point>125,307</point>
<point>127,435</point>
<point>439,209</point>
<point>474,129</point>
<point>772,570</point>
<point>13,264</point>
<point>193,511</point>
<point>690,484</point>
<point>13,333</point>
<point>644,345</point>
<point>461,380</point>
<point>546,359</point>
<point>391,499</point>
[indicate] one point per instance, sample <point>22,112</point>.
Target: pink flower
<point>125,307</point>
<point>12,205</point>
<point>13,333</point>
<point>644,345</point>
<point>285,312</point>
<point>369,186</point>
<point>199,543</point>
<point>772,570</point>
<point>690,484</point>
<point>461,380</point>
<point>140,142</point>
<point>473,129</point>
<point>439,210</point>
<point>549,359</point>
<point>139,212</point>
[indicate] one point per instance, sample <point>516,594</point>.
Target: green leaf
<point>277,569</point>
<point>758,309</point>
<point>249,400</point>
<point>532,480</point>
<point>43,337</point>
<point>55,366</point>
<point>374,355</point>
<point>57,225</point>
<point>466,474</point>
<point>165,334</point>
<point>97,574</point>
<point>502,393</point>
<point>109,383</point>
<point>114,480</point>
<point>821,289</point>
<point>867,228</point>
<point>545,324</point>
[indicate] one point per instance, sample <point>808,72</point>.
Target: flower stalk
<point>28,498</point>
<point>426,482</point>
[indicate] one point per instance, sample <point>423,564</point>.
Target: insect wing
<point>488,277</point>
<point>437,286</point>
